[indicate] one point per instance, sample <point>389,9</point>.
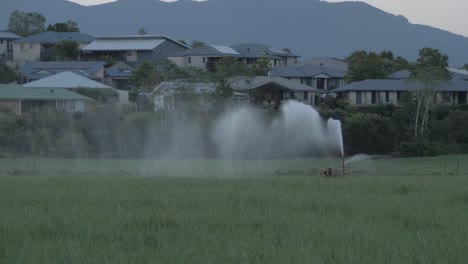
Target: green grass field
<point>208,211</point>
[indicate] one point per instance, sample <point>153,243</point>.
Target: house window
<point>375,97</point>
<point>462,99</point>
<point>387,97</point>
<point>446,97</point>
<point>71,106</point>
<point>305,96</point>
<point>189,60</point>
<point>291,94</point>
<point>204,59</point>
<point>398,96</point>
<point>358,97</point>
<point>22,46</point>
<point>320,83</point>
<point>1,41</point>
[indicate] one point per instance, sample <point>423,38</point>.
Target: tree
<point>144,77</point>
<point>226,69</point>
<point>66,50</point>
<point>363,65</point>
<point>141,31</point>
<point>400,63</point>
<point>429,73</point>
<point>26,24</point>
<point>7,74</point>
<point>69,26</point>
<point>261,67</point>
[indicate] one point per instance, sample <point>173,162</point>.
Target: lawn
<point>208,211</point>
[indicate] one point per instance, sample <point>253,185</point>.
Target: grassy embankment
<point>386,211</point>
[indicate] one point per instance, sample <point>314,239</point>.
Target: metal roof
<point>458,73</point>
<point>116,72</point>
<point>51,37</point>
<point>123,44</point>
<point>41,69</point>
<point>307,71</point>
<point>401,85</point>
<point>129,42</point>
<point>245,83</point>
<point>257,50</point>
<point>67,80</point>
<point>8,35</point>
<point>326,62</point>
<point>18,92</point>
<point>209,50</point>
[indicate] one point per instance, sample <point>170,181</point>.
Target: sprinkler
<point>343,164</point>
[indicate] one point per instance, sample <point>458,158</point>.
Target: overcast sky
<point>450,15</point>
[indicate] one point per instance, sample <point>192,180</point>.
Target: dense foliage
<point>26,23</point>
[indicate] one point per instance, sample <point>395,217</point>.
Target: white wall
<point>26,52</point>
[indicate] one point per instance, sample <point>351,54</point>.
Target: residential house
<point>66,80</point>
<point>456,74</point>
<point>39,47</point>
<point>172,95</point>
<point>251,52</point>
<point>118,76</point>
<point>324,74</point>
<point>133,49</point>
<point>263,91</point>
<point>389,91</point>
<point>37,70</point>
<point>23,99</point>
<point>6,45</point>
<point>270,91</point>
<point>204,57</point>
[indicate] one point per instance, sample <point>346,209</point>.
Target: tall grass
<point>382,213</point>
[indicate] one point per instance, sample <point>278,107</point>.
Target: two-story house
<point>40,69</point>
<point>6,44</point>
<point>39,47</point>
<point>251,52</point>
<point>204,57</point>
<point>324,74</point>
<point>133,49</point>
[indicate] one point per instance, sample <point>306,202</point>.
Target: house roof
<point>458,73</point>
<point>307,70</point>
<point>8,35</point>
<point>400,85</point>
<point>68,80</point>
<point>51,37</point>
<point>18,92</point>
<point>257,50</point>
<point>120,69</point>
<point>123,43</point>
<point>41,69</point>
<point>209,50</point>
<point>237,83</point>
<point>244,84</point>
<point>326,62</point>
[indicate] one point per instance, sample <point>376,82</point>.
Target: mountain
<point>309,28</point>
